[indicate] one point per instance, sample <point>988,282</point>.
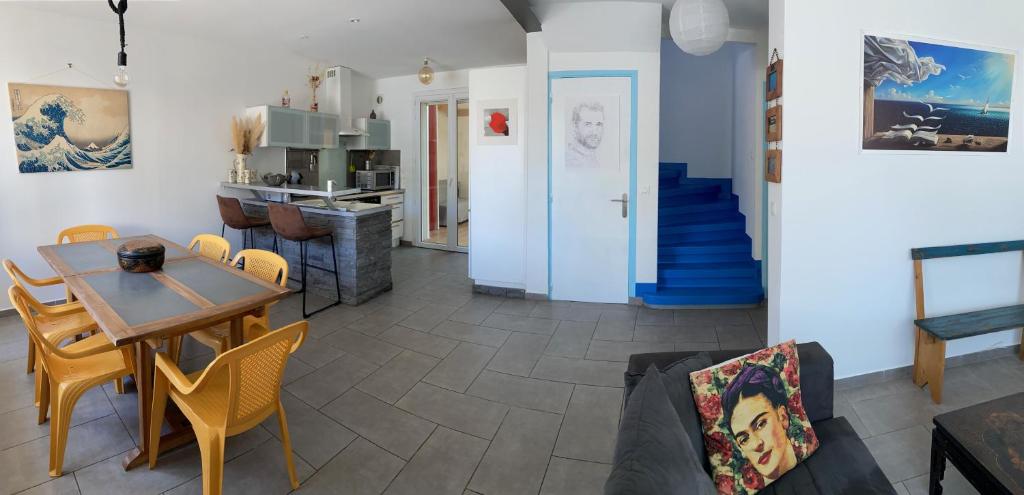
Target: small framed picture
<point>773,166</point>
<point>773,81</point>
<point>498,122</point>
<point>773,124</point>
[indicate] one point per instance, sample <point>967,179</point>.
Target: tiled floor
<point>432,389</point>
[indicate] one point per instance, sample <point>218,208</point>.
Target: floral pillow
<point>755,426</point>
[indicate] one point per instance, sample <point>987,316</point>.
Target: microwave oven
<point>377,179</point>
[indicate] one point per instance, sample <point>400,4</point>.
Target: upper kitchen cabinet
<point>291,128</point>
<point>376,135</point>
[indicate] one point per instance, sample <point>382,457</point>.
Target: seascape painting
<point>61,128</point>
<point>930,97</point>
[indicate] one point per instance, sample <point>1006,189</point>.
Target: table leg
<point>144,387</point>
<point>236,332</point>
<point>938,467</point>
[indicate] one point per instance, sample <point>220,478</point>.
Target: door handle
<point>625,204</point>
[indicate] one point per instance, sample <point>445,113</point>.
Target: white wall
<point>497,184</point>
<point>851,218</point>
<point>697,112</point>
<point>776,37</point>
<point>182,96</point>
<point>546,52</point>
<point>749,61</point>
<point>399,95</point>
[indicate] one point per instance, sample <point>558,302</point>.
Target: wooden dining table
<point>190,292</point>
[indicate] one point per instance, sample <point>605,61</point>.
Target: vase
<point>240,160</point>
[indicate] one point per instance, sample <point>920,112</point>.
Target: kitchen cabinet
<point>291,128</point>
<point>376,135</point>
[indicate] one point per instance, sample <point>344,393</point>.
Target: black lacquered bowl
<point>140,256</point>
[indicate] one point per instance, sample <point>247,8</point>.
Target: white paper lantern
<point>699,27</point>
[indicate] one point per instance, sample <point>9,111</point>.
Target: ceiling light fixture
<point>426,74</point>
<point>121,73</point>
<point>354,20</point>
<point>699,27</point>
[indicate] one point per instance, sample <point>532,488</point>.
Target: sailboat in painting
<point>984,110</point>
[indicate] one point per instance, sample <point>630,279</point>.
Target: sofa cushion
<point>653,454</point>
<point>755,426</point>
<point>841,466</point>
<point>676,378</point>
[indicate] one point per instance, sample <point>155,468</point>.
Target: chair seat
<point>206,404</point>
<point>97,368</point>
<point>58,329</point>
<point>218,337</point>
<point>257,221</point>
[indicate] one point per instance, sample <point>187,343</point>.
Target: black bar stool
<point>233,216</point>
<point>288,224</point>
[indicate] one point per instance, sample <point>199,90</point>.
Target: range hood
<point>337,99</point>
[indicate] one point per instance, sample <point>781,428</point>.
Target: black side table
<point>986,444</point>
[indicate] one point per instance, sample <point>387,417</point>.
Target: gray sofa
<point>659,452</point>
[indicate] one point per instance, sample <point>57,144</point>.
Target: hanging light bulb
<point>121,73</point>
<point>426,74</point>
<point>699,27</point>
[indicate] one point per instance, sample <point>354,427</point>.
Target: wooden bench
<point>932,333</point>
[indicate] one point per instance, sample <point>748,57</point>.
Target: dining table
<point>188,293</point>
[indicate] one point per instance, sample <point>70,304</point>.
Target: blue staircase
<point>703,250</point>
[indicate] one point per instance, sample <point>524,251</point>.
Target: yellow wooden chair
<point>211,246</point>
<point>263,264</point>
<point>83,233</point>
<point>68,373</point>
<point>57,322</point>
<point>234,394</point>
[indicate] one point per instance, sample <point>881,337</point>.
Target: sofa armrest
<point>816,374</point>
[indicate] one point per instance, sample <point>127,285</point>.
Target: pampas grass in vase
<point>246,133</point>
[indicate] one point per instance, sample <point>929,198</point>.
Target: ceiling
<point>391,38</point>
<point>743,14</point>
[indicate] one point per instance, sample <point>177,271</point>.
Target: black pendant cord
<point>119,9</point>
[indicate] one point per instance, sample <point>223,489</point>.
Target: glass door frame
<point>451,97</point>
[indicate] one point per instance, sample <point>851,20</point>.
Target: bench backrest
<point>966,250</point>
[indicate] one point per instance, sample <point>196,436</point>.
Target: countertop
<point>292,189</point>
<point>345,208</point>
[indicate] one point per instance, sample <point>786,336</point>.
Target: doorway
<point>591,167</point>
<point>444,171</point>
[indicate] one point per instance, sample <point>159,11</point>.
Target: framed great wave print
<point>927,96</point>
<point>70,129</point>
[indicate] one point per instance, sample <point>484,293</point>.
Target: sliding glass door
<point>444,172</point>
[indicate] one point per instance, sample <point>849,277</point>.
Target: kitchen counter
<point>341,202</point>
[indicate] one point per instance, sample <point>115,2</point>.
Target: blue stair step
<point>673,220</point>
<point>708,235</point>
<point>686,189</point>
<point>687,199</point>
<point>708,270</point>
<point>704,296</point>
<point>729,205</point>
<point>748,282</point>
<point>733,222</point>
<point>739,244</point>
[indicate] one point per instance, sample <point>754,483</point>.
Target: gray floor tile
<point>529,393</point>
<point>622,314</point>
<point>524,324</point>
<point>17,389</point>
<point>397,431</point>
<point>428,317</point>
<point>571,339</point>
<point>694,316</point>
<point>458,370</point>
<point>471,333</point>
<point>573,477</point>
<point>315,353</point>
<point>422,342</point>
<point>325,384</point>
<point>65,485</point>
<point>900,489</point>
<point>621,331</point>
<point>902,454</point>
<point>895,412</point>
<point>518,457</point>
<point>676,333</point>
<point>294,370</point>
<point>519,307</point>
<point>361,469</point>
<point>367,348</point>
<point>27,465</point>
<point>696,346</point>
<point>315,437</point>
<point>172,469</point>
<point>737,336</point>
<point>380,320</point>
<point>601,350</point>
<point>843,409</point>
<point>648,316</point>
<point>19,426</point>
<point>953,483</point>
<point>582,371</point>
<point>443,466</point>
<point>566,311</point>
<point>392,380</point>
<point>460,412</point>
<point>590,425</point>
<point>731,317</point>
<point>262,470</point>
<point>519,355</point>
<point>477,310</point>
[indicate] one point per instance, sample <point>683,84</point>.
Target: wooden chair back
<point>211,246</point>
<point>83,233</point>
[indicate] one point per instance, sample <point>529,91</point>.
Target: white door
<point>590,124</point>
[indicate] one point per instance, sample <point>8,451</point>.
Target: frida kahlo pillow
<point>755,426</point>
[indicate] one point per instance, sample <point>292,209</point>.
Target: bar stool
<point>288,224</point>
<point>233,216</point>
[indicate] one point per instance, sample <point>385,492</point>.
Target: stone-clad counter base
<point>363,246</point>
